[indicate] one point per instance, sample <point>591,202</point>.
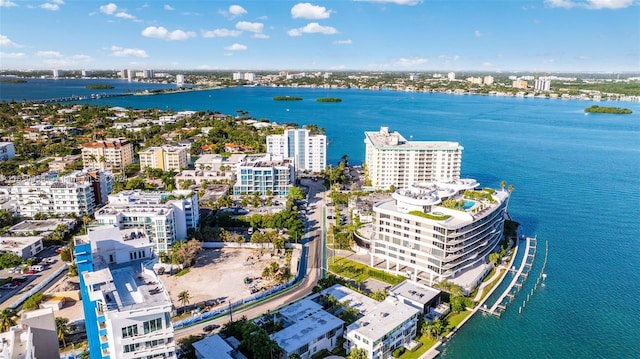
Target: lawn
<point>360,272</point>
<point>427,343</point>
<point>456,318</point>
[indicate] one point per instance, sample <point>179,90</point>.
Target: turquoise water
<point>577,186</point>
<point>467,204</point>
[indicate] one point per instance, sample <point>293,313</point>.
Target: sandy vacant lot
<point>219,274</point>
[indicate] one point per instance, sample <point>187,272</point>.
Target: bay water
<point>577,187</point>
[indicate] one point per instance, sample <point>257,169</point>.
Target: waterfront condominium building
<point>391,160</point>
<point>127,310</point>
<point>308,151</point>
<point>264,173</point>
<point>79,192</point>
<point>390,324</point>
<point>439,231</point>
<point>7,151</point>
<point>165,217</point>
<point>35,337</point>
<point>110,154</point>
<point>166,158</point>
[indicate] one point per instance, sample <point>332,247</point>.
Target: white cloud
<point>221,33</point>
<point>169,8</point>
<point>160,32</point>
<point>7,3</point>
<point>308,11</point>
<point>237,10</point>
<point>477,33</point>
<point>259,35</point>
<point>124,15</point>
<point>118,51</point>
<point>49,54</point>
<point>109,9</point>
<point>590,4</point>
<point>312,27</point>
<point>548,61</point>
<point>236,47</point>
<point>50,6</point>
<point>6,42</point>
<point>12,55</point>
<point>411,61</point>
<point>250,26</point>
<point>68,61</point>
<point>487,64</point>
<point>584,57</point>
<point>343,42</point>
<point>399,2</point>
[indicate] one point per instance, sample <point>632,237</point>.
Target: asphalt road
<point>312,264</point>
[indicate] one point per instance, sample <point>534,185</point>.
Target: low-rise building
<point>7,151</point>
<point>390,325</point>
<point>164,216</point>
<point>215,347</point>
<point>43,227</point>
<point>308,329</point>
<point>59,164</point>
<point>127,310</point>
<point>24,247</point>
<point>35,337</point>
<point>416,295</point>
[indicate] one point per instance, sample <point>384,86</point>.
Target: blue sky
<point>372,35</point>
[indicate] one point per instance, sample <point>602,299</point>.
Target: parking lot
<point>219,274</point>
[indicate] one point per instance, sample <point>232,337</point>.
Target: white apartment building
<point>127,310</point>
<point>166,158</point>
<point>488,80</point>
<point>7,151</point>
<point>165,217</point>
<point>308,329</point>
<point>308,151</point>
<point>439,231</point>
<point>390,325</point>
<point>392,160</point>
<point>265,173</point>
<point>542,84</point>
<point>35,337</point>
<point>78,192</point>
<point>180,79</point>
<point>108,155</point>
<point>451,76</point>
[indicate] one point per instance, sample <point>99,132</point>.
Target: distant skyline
<point>338,35</point>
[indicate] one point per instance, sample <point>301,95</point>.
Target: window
<point>130,331</point>
<point>152,325</point>
<point>131,347</point>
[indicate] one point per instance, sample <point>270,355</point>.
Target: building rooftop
<point>352,298</point>
<point>41,226</point>
<point>12,243</point>
<point>309,321</point>
<point>108,143</point>
<point>15,343</point>
<point>384,139</point>
<point>415,292</point>
<point>213,347</point>
<point>387,315</point>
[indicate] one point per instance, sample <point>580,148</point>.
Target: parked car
<point>30,271</point>
<point>8,286</point>
<point>58,250</point>
<point>210,327</point>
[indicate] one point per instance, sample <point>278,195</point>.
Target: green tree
<point>63,328</point>
<point>7,319</point>
<point>184,297</point>
<point>66,255</point>
<point>33,302</point>
<point>9,260</point>
<point>357,353</point>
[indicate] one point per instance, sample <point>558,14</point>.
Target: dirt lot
<point>219,274</point>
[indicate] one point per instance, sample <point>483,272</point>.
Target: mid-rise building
<point>308,151</point>
<point>519,84</point>
<point>108,155</point>
<point>165,217</point>
<point>7,151</point>
<point>166,158</point>
<point>57,73</point>
<point>78,193</point>
<point>433,232</point>
<point>180,80</point>
<point>264,174</point>
<point>451,76</point>
<point>127,310</point>
<point>35,337</point>
<point>488,80</point>
<point>391,160</point>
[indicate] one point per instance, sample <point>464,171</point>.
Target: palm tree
<point>7,319</point>
<point>184,297</point>
<point>85,221</point>
<point>438,327</point>
<point>63,328</point>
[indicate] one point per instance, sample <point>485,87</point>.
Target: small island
<point>329,99</point>
<point>287,98</point>
<point>13,81</point>
<point>605,109</point>
<point>99,87</point>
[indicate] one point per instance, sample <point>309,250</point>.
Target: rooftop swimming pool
<point>468,204</point>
